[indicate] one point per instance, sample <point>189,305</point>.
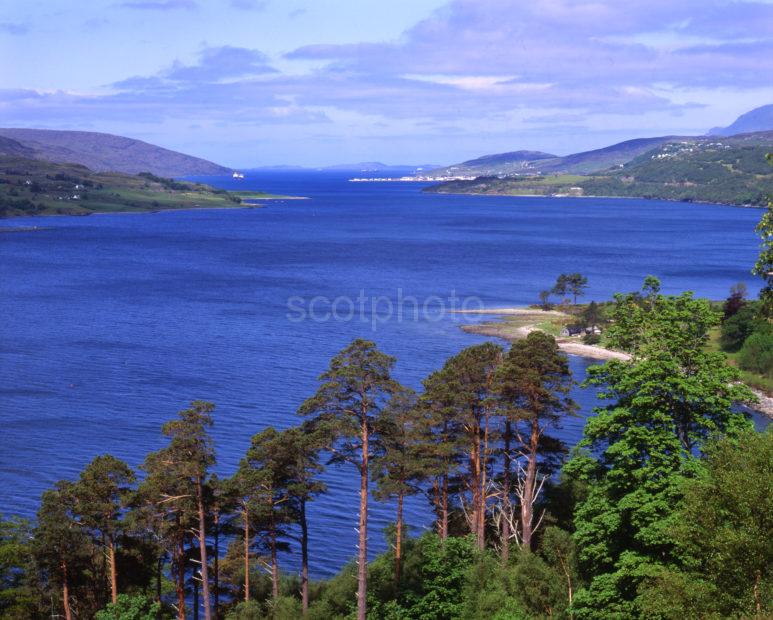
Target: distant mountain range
<point>536,162</point>
<point>728,170</point>
<point>587,162</point>
<point>102,152</point>
<point>758,119</point>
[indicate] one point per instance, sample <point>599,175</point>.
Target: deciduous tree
<point>664,404</point>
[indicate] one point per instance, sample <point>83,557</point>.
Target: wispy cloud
<point>249,5</point>
<point>14,28</point>
<point>160,5</point>
<point>507,68</point>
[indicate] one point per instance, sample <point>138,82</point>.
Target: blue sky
<point>314,82</point>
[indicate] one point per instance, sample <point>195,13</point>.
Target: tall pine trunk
<point>180,585</point>
<point>399,539</point>
<point>217,563</point>
<point>113,570</point>
<point>506,493</point>
<point>66,592</point>
<point>529,487</point>
<point>203,550</point>
<point>195,598</point>
<point>362,568</point>
<point>159,568</point>
<point>246,518</point>
<point>475,486</point>
<point>304,558</point>
<point>444,508</point>
<point>274,566</point>
<point>482,499</point>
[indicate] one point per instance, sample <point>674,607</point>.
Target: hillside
<point>500,163</point>
<point>724,170</point>
<point>33,187</point>
<point>536,162</point>
<point>104,152</point>
<point>758,119</point>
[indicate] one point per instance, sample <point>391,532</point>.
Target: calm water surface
<point>112,323</point>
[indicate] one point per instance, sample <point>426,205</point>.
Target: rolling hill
<point>35,187</point>
<point>103,152</point>
<point>589,162</point>
<point>729,170</point>
<point>500,163</point>
<point>535,162</point>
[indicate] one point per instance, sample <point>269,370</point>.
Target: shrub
<point>757,352</point>
<point>131,608</point>
<point>738,328</point>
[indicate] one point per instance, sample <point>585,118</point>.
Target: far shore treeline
<point>662,511</point>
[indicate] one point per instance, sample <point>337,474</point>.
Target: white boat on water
<point>238,175</point>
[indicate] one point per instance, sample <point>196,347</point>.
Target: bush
<point>739,327</point>
<point>757,352</point>
<point>131,608</point>
<point>591,338</point>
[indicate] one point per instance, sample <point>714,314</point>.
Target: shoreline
<point>686,202</point>
<point>242,205</point>
<point>511,333</point>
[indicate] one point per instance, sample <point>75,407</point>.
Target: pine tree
<point>532,383</point>
<point>265,474</point>
<point>171,498</point>
<point>101,494</point>
<point>304,445</point>
<point>59,544</point>
<point>190,454</point>
<point>400,463</point>
<point>354,390</point>
<point>462,394</point>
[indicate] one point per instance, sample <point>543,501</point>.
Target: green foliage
<point>722,527</point>
<point>127,607</point>
<point>756,355</point>
<point>764,265</point>
<point>17,589</point>
<point>666,403</point>
<point>570,284</point>
<point>739,326</point>
<point>246,610</point>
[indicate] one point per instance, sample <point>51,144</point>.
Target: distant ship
<point>238,175</point>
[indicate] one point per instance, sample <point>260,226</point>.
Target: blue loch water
<point>112,323</point>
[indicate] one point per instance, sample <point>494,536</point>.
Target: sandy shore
<point>573,346</point>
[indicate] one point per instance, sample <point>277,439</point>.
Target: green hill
<point>34,187</point>
<point>729,170</point>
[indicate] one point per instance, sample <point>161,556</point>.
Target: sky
<point>315,82</point>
